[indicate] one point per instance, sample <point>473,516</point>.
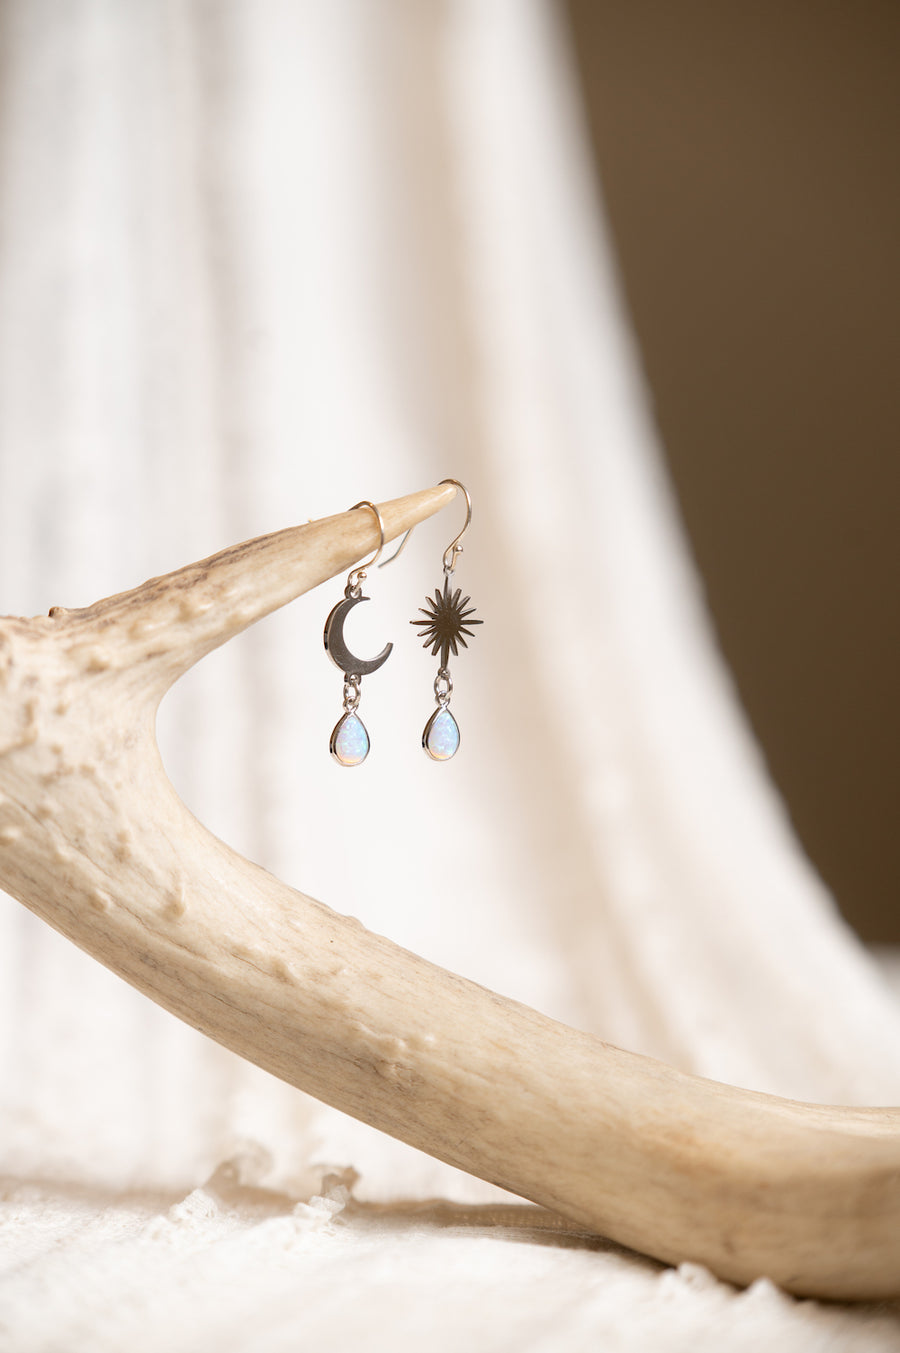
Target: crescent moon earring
<point>349,744</point>
<point>445,627</point>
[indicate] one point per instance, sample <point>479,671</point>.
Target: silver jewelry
<point>349,743</point>
<point>445,627</point>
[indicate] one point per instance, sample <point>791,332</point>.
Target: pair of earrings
<point>445,626</point>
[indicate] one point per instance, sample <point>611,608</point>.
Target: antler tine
<point>160,629</point>
<point>94,839</point>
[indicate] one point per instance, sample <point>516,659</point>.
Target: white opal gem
<point>349,741</point>
<point>441,736</point>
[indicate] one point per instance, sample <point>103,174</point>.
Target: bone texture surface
<point>94,839</point>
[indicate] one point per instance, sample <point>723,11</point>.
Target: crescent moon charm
<point>336,647</point>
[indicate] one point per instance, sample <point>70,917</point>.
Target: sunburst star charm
<point>445,626</point>
<point>446,622</point>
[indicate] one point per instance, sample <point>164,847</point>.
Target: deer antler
<point>94,839</point>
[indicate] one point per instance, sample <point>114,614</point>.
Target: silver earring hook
<point>357,575</point>
<point>454,548</point>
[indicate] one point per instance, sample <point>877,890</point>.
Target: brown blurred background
<point>748,156</point>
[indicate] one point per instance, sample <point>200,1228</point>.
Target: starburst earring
<point>445,626</point>
<point>349,744</point>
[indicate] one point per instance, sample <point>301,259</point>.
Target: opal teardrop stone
<point>441,736</point>
<point>349,741</point>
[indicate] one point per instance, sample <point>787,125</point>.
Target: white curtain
<point>260,260</point>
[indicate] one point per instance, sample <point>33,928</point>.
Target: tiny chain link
<point>351,693</point>
<point>443,687</point>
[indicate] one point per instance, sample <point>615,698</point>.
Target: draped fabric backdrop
<point>260,260</point>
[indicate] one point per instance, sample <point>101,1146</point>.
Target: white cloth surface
<point>259,261</point>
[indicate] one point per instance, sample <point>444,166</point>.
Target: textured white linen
<point>258,261</point>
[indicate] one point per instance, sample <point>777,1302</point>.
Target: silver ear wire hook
<point>397,553</point>
<point>453,549</point>
<point>358,575</point>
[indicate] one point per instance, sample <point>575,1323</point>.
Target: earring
<point>349,744</point>
<point>446,622</point>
